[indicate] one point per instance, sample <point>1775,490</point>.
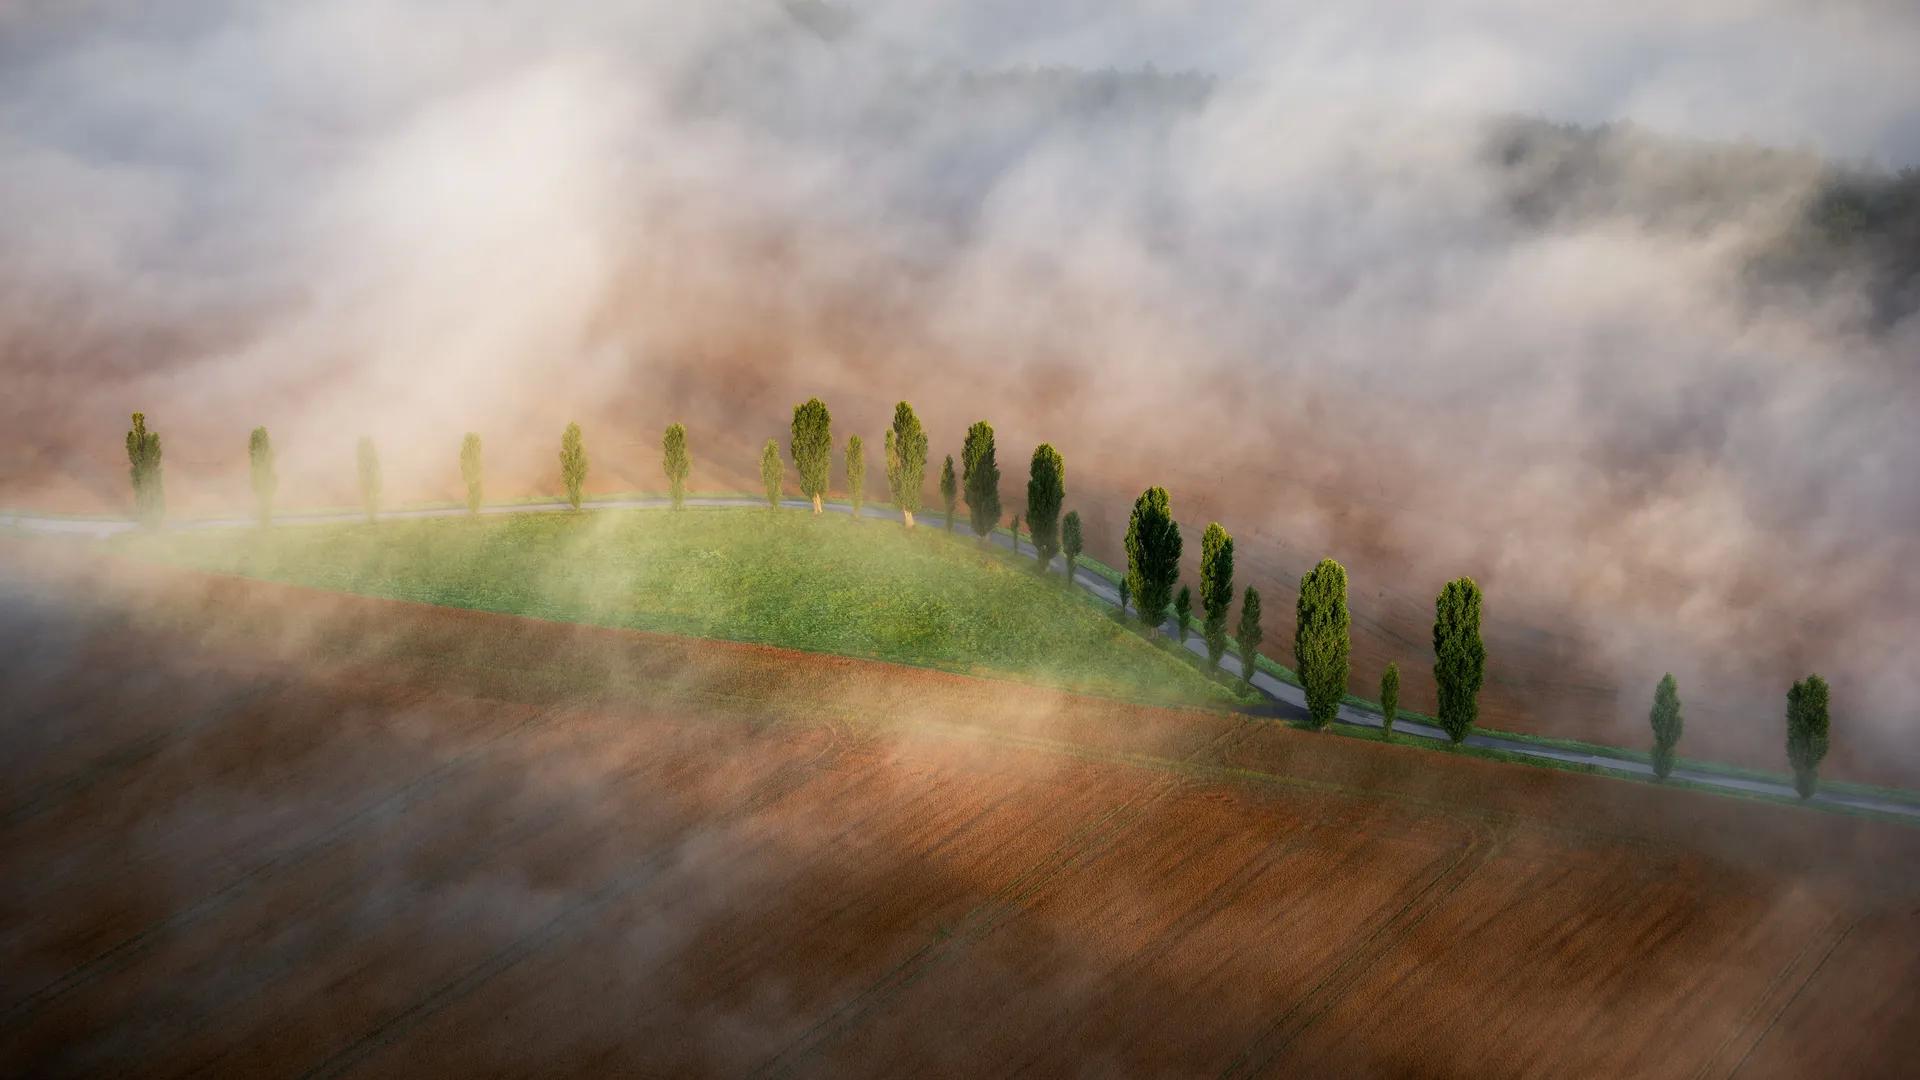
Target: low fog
<point>1539,297</point>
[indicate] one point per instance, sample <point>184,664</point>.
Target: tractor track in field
<point>1083,845</point>
<point>118,760</point>
<point>1327,991</point>
<point>519,833</point>
<point>1837,932</point>
<point>390,805</point>
<point>576,916</point>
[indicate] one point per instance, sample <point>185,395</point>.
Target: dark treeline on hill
<point>1845,226</point>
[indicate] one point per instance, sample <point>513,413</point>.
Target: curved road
<point>1290,700</point>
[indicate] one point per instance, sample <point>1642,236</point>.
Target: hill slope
<point>828,584</point>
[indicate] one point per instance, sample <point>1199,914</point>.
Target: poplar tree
<point>1807,732</point>
<point>369,461</point>
<point>857,473</point>
<point>1153,554</point>
<point>1071,541</point>
<point>1459,656</point>
<point>949,489</point>
<point>1321,642</point>
<point>470,470</point>
<point>1389,699</point>
<point>1216,589</point>
<point>265,480</point>
<point>906,447</point>
<point>1249,632</point>
<point>573,464</point>
<point>980,479</point>
<point>812,448</point>
<point>770,473</point>
<point>1667,724</point>
<point>676,462</point>
<point>1183,611</point>
<point>1046,491</point>
<point>143,461</point>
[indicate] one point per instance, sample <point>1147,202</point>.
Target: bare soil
<point>256,830</point>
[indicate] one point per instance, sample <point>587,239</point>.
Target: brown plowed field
<point>252,830</point>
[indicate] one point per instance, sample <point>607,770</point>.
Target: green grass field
<point>826,584</point>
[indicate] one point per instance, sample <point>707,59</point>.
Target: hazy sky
<point>1838,77</point>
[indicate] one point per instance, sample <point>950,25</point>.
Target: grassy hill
<point>825,584</point>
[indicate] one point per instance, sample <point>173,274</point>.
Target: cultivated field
<point>252,829</point>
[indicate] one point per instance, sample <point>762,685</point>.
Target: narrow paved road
<point>1290,700</point>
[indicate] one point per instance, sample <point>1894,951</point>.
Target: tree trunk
<point>908,515</point>
<point>816,504</point>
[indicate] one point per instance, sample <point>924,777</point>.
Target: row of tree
<point>1322,644</point>
<point>1322,639</point>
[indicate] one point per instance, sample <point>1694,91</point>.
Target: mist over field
<point>1344,281</point>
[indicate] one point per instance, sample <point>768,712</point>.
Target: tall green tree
<point>143,461</point>
<point>1249,632</point>
<point>1667,724</point>
<point>470,466</point>
<point>1183,611</point>
<point>1459,656</point>
<point>770,471</point>
<point>949,490</point>
<point>1321,640</point>
<point>1126,593</point>
<point>1153,554</point>
<point>857,473</point>
<point>1046,491</point>
<point>676,462</point>
<point>369,462</point>
<point>1216,589</point>
<point>907,464</point>
<point>265,479</point>
<point>980,479</point>
<point>812,448</point>
<point>1071,540</point>
<point>1389,699</point>
<point>1807,732</point>
<point>573,464</point>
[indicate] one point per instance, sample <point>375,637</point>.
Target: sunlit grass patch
<point>826,584</point>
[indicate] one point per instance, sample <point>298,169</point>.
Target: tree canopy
<point>1667,724</point>
<point>676,462</point>
<point>1153,554</point>
<point>857,473</point>
<point>260,464</point>
<point>1459,656</point>
<point>980,478</point>
<point>949,490</point>
<point>1046,491</point>
<point>1807,732</point>
<point>1321,639</point>
<point>573,464</point>
<point>143,461</point>
<point>1216,588</point>
<point>470,466</point>
<point>906,448</point>
<point>812,448</point>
